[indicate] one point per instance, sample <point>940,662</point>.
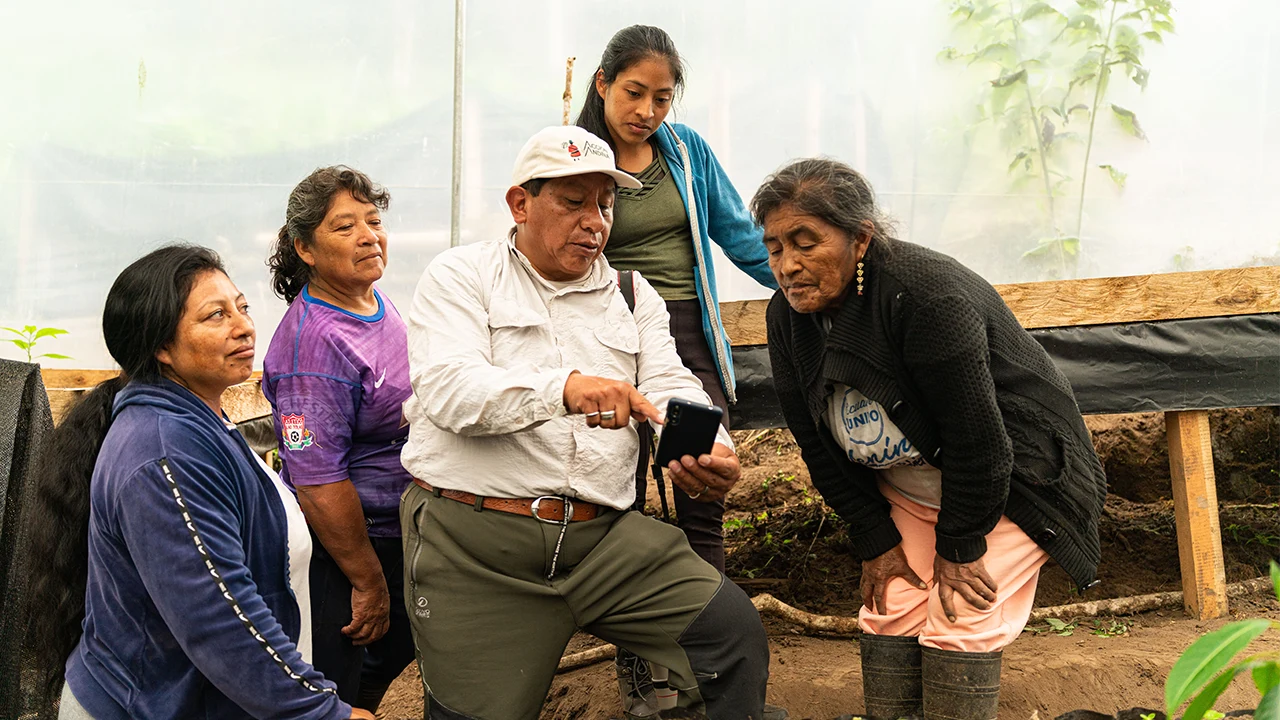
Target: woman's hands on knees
<point>878,571</point>
<point>969,580</point>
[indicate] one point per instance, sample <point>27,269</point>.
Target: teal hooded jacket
<point>716,214</point>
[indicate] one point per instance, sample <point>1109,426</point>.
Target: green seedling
<point>29,335</point>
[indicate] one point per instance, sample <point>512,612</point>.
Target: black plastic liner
<point>1197,364</point>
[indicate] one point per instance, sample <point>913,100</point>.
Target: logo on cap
<point>573,150</point>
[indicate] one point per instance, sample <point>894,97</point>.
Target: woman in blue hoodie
<point>665,229</point>
<point>184,605</point>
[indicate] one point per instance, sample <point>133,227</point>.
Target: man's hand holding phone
<point>707,477</point>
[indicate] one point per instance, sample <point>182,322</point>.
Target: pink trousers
<point>1013,560</point>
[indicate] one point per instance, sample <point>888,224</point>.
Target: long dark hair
<point>141,316</point>
<point>308,204</point>
<point>626,48</point>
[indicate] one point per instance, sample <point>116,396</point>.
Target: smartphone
<point>690,429</point>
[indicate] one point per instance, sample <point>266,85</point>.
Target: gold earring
<point>859,277</point>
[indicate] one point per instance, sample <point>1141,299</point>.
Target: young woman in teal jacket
<point>665,229</point>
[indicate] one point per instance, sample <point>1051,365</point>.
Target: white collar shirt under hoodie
<point>491,344</point>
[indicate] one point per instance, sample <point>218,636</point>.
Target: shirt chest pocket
<point>619,347</point>
<point>520,337</point>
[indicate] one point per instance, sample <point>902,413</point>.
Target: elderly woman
<point>936,427</point>
<point>186,603</point>
<point>336,374</point>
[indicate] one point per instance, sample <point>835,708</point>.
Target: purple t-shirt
<point>336,382</point>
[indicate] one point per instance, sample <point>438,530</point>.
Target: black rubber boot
<point>891,683</point>
<point>960,685</point>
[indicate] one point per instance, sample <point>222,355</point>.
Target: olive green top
<point>651,233</point>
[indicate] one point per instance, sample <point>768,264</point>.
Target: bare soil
<point>781,539</point>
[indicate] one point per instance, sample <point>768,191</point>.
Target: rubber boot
<point>891,676</point>
<point>960,685</point>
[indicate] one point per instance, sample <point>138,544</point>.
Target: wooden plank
<point>1195,502</point>
<point>245,401</point>
<point>74,379</point>
<point>1096,301</point>
<point>1143,298</point>
<point>744,321</point>
<point>60,401</point>
<point>240,402</point>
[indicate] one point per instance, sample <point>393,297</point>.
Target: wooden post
<point>1195,502</point>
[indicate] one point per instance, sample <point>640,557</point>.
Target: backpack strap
<point>627,284</point>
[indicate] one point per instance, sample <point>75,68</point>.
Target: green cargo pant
<point>490,628</point>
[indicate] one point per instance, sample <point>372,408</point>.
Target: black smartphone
<point>690,429</point>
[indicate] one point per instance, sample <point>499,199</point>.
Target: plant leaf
<point>1117,176</point>
<point>15,331</point>
<point>1046,132</point>
<point>20,343</point>
<point>1140,75</point>
<point>29,329</point>
<point>1128,121</point>
<point>1163,25</point>
<point>1204,701</point>
<point>1082,22</point>
<point>1038,9</point>
<point>1009,78</point>
<point>55,356</point>
<point>49,332</point>
<point>1154,37</point>
<point>1275,577</point>
<point>1022,155</point>
<point>1056,624</point>
<point>1206,657</point>
<point>999,99</point>
<point>1269,706</point>
<point>1266,677</point>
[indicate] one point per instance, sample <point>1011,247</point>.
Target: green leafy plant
<point>28,336</point>
<point>1110,628</point>
<point>1048,66</point>
<point>1205,669</point>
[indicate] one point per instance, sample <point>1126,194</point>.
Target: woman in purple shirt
<point>337,373</point>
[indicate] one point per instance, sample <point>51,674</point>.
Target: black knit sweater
<point>976,395</point>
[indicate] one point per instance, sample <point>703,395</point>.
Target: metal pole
<point>455,185</point>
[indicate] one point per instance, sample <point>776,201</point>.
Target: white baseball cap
<point>564,150</point>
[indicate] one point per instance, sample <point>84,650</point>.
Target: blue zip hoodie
<point>716,212</point>
<point>188,610</point>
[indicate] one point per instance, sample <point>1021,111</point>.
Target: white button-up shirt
<point>491,344</point>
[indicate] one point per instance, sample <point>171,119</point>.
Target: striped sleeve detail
<point>225,591</point>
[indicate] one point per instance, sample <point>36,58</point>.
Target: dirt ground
<point>781,539</point>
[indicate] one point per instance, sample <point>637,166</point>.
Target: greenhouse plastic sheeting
<point>1197,364</point>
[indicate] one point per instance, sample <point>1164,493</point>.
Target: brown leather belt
<point>548,508</point>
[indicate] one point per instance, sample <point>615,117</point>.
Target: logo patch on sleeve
<point>296,434</point>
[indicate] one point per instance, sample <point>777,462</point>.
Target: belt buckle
<point>566,505</point>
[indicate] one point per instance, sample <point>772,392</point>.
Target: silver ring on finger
<point>592,414</point>
<point>695,496</point>
<point>608,415</point>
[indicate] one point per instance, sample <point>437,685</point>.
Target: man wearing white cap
<point>530,374</point>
